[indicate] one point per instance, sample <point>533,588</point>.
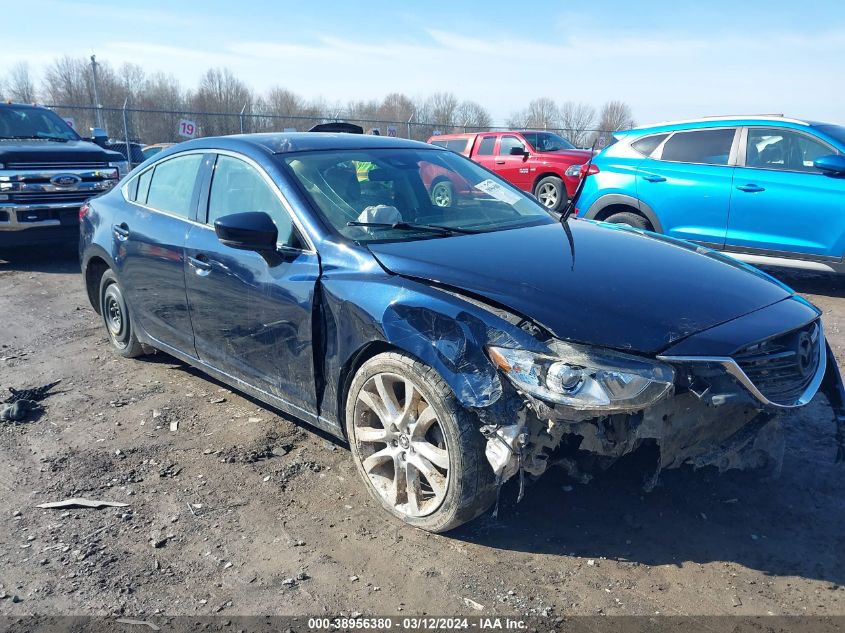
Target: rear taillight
<point>83,210</point>
<point>593,169</point>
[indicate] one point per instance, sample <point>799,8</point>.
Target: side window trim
<point>286,206</point>
<point>732,155</point>
<point>743,149</point>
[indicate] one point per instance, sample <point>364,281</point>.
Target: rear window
<point>647,144</point>
<point>457,145</point>
<point>485,146</point>
<point>708,147</point>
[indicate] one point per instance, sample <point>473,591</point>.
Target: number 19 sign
<point>187,128</point>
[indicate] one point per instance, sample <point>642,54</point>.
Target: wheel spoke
<point>377,458</point>
<point>432,475</point>
<point>437,456</point>
<point>397,486</point>
<point>412,481</point>
<point>387,396</point>
<point>412,399</point>
<point>424,422</point>
<point>370,434</point>
<point>375,405</point>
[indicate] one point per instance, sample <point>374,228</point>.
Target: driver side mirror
<point>832,165</point>
<point>519,151</point>
<point>252,231</point>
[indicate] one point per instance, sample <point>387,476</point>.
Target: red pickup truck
<point>538,162</point>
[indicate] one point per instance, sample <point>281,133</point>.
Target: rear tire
<point>422,459</point>
<point>116,318</point>
<point>628,218</point>
<point>551,193</point>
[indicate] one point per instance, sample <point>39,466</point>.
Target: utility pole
<point>98,107</point>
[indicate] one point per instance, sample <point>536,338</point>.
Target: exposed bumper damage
<point>708,419</point>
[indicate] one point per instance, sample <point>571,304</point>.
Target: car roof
<point>283,143</point>
<point>460,135</point>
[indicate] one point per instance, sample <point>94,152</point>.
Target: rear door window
<point>706,147</point>
<point>143,187</point>
<point>485,146</point>
<point>172,186</point>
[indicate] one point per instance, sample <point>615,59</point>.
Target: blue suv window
<point>782,149</point>
<point>707,147</point>
<point>647,144</point>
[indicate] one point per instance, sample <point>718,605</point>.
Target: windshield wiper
<point>410,226</point>
<point>56,139</point>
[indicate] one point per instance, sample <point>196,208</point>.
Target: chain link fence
<point>148,126</point>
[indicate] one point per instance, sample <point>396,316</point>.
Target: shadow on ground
<point>55,258</point>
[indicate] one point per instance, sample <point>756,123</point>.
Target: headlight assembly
<point>585,378</point>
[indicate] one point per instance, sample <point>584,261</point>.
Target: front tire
<point>551,193</point>
<point>419,452</point>
<point>628,218</point>
<point>116,318</point>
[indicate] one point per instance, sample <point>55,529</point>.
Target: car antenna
<point>570,206</point>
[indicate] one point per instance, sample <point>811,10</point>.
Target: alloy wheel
<point>401,445</point>
<point>547,194</point>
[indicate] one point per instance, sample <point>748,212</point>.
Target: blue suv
<point>766,189</point>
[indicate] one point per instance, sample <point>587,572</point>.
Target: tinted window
<point>439,143</point>
<point>777,148</point>
<point>509,142</point>
<point>710,147</point>
<point>648,144</point>
<point>546,141</point>
<point>172,185</point>
<point>237,187</point>
<point>458,145</point>
<point>143,187</point>
<point>24,122</point>
<point>485,147</point>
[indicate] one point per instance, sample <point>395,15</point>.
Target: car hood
<point>34,151</point>
<point>625,289</point>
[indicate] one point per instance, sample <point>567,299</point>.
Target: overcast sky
<point>667,59</point>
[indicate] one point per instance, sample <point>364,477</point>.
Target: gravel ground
<point>234,509</point>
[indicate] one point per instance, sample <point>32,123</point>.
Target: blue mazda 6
<point>455,344</point>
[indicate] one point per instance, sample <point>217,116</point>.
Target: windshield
<point>34,123</point>
<point>836,132</point>
<point>408,194</point>
<point>546,141</point>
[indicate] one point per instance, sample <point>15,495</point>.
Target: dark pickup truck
<point>46,172</point>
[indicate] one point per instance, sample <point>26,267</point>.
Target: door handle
<point>200,264</point>
<point>751,188</point>
<point>654,178</point>
<point>121,231</point>
<point>500,162</point>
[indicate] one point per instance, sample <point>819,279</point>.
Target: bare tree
<point>615,115</point>
<point>472,115</point>
<point>221,92</point>
<point>541,113</point>
<point>442,108</point>
<point>19,86</point>
<point>577,120</point>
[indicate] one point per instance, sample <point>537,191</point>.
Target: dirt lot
<point>241,511</point>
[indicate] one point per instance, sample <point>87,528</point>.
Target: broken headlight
<point>585,378</point>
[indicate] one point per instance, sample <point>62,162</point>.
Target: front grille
<point>83,165</point>
<point>43,198</point>
<point>784,366</point>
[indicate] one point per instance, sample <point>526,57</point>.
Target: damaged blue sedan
<point>454,341</point>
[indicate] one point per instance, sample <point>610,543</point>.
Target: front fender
<point>440,329</point>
